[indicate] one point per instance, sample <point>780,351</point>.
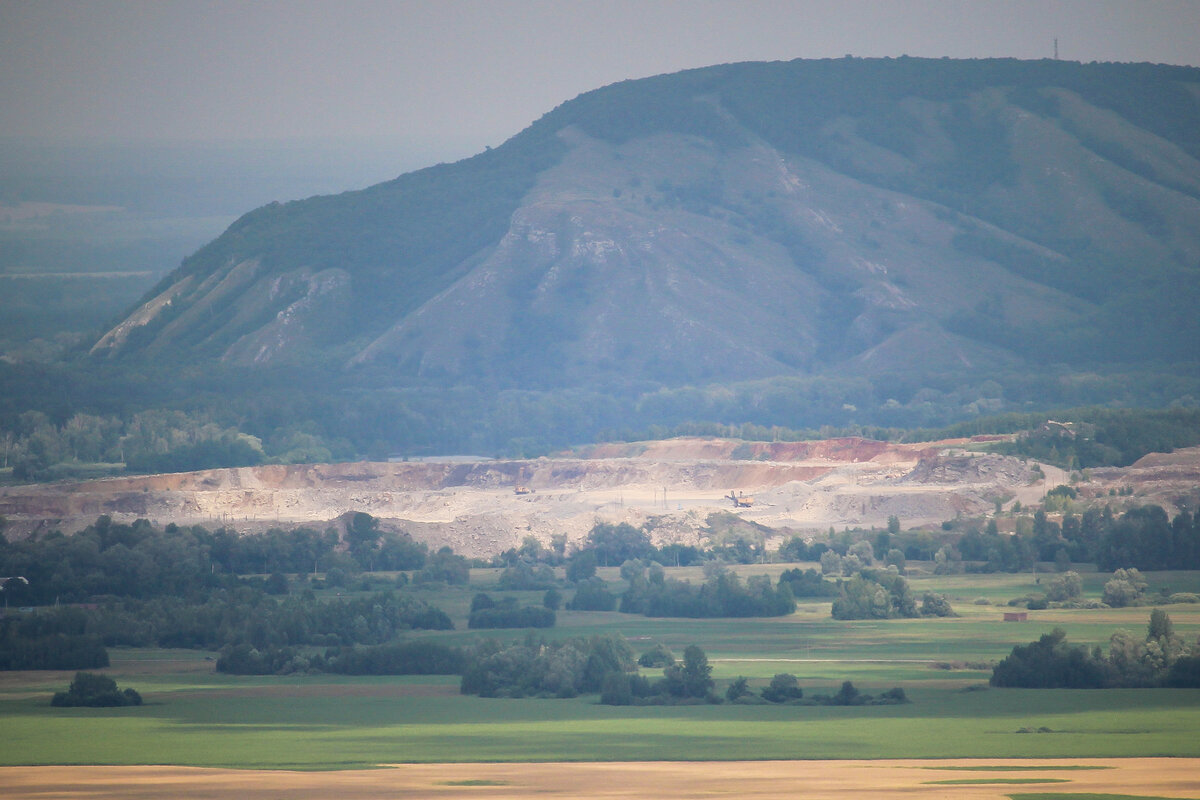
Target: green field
<point>194,716</point>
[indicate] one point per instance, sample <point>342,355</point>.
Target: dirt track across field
<point>758,780</point>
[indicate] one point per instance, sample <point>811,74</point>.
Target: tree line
<point>140,560</point>
<point>1160,658</point>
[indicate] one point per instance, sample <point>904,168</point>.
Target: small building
<point>1016,616</point>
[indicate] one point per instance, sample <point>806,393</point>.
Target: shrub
<point>93,690</point>
<point>1050,663</point>
<point>783,687</point>
<point>936,605</point>
<point>592,594</point>
<point>509,615</point>
<point>658,656</point>
<point>1125,588</point>
<point>397,658</point>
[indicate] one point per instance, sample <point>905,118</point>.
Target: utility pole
<point>1056,48</point>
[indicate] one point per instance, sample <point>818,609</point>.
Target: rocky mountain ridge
<point>748,221</point>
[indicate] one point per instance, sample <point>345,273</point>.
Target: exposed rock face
<point>739,222</point>
<point>677,484</point>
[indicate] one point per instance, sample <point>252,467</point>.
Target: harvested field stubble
<point>814,780</point>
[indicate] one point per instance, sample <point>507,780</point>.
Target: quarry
<point>678,489</point>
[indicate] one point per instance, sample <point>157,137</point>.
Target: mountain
<point>851,217</point>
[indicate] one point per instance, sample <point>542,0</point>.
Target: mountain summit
<point>745,221</point>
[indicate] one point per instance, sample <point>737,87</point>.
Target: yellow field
<point>812,780</point>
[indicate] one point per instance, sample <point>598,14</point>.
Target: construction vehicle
<point>740,500</point>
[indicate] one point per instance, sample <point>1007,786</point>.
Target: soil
<point>813,780</point>
<point>671,486</point>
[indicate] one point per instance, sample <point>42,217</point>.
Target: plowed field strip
<point>813,780</point>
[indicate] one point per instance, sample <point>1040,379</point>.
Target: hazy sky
<point>451,76</point>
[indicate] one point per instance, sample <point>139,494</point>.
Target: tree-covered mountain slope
<point>746,221</point>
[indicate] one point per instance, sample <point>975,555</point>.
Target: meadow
<point>194,716</point>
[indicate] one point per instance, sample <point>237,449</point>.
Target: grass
<point>314,723</point>
<point>196,717</point>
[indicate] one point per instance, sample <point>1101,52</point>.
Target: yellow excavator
<point>740,500</point>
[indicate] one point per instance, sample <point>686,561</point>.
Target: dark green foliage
<point>445,566</point>
<point>658,656</point>
<point>55,638</point>
<point>581,566</point>
<point>808,583</point>
<point>524,577</point>
<point>616,690</point>
<point>936,605</point>
<point>139,560</point>
<point>54,651</point>
<point>616,544</point>
<point>592,594</point>
<point>1125,588</point>
<point>1051,663</point>
<point>1161,659</point>
<point>245,659</point>
<point>90,689</point>
<point>226,451</point>
<point>796,549</point>
<point>413,657</point>
<point>399,552</point>
<point>847,695</point>
<point>1141,538</point>
<point>507,614</point>
<point>1102,436</point>
<point>690,678</point>
<point>537,668</point>
<point>244,616</point>
<point>724,594</point>
<point>782,688</point>
<point>1185,673</point>
<point>738,688</point>
<point>875,595</point>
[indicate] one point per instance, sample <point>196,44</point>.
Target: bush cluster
<point>90,689</point>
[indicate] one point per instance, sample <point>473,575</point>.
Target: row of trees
<point>876,594</point>
<point>507,613</point>
<point>1161,658</point>
<point>1143,537</point>
<point>404,657</point>
<point>143,561</point>
<point>537,668</point>
<point>76,638</point>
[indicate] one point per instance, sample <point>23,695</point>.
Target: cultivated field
<point>327,735</point>
<point>812,780</point>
